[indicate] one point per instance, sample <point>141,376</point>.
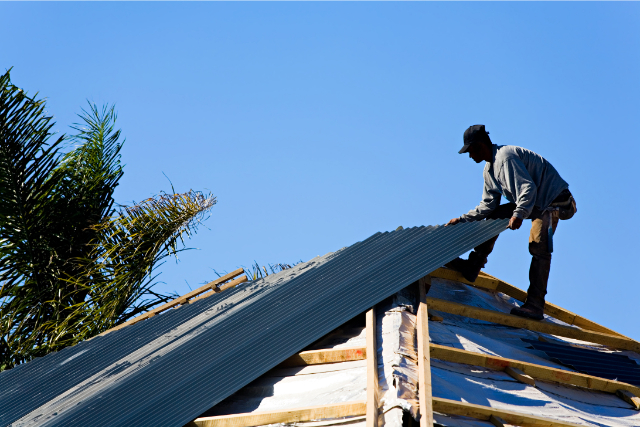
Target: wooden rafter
<point>539,372</point>
<point>493,316</point>
<point>484,413</point>
<point>372,370</point>
<point>424,360</point>
<point>331,355</point>
<point>487,281</point>
<point>309,413</point>
<point>184,299</point>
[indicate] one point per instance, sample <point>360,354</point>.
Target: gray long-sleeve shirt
<point>523,177</point>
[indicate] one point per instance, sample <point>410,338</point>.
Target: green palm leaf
<point>70,265</point>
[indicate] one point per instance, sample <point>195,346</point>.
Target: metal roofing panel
<point>591,362</point>
<point>167,370</point>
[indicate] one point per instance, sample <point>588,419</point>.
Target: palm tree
<point>72,263</point>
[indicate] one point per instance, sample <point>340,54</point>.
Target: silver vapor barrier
<point>167,370</point>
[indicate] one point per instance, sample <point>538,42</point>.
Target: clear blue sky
<point>319,124</point>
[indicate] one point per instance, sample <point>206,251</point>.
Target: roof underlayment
<point>167,370</point>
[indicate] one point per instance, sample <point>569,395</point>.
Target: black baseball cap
<point>473,134</point>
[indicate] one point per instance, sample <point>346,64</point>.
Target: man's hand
<point>515,223</point>
<point>454,221</point>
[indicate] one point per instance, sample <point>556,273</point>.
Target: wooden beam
<point>630,398</point>
<point>310,413</point>
<point>224,287</point>
<point>532,325</point>
<point>424,361</point>
<point>518,375</point>
<point>484,413</point>
<point>372,370</point>
<point>331,355</point>
<point>487,281</point>
<point>543,373</point>
<point>182,300</point>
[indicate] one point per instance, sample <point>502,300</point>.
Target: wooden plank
<point>487,281</point>
<point>309,413</point>
<point>543,373</point>
<point>184,299</point>
<point>630,398</point>
<point>372,370</point>
<point>331,355</point>
<point>518,375</point>
<point>532,325</point>
<point>224,287</point>
<point>484,413</point>
<point>424,361</point>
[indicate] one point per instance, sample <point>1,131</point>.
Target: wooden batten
<point>372,370</point>
<point>539,372</point>
<point>484,413</point>
<point>316,357</point>
<point>309,413</point>
<point>424,360</point>
<point>493,316</point>
<point>487,281</point>
<point>182,300</point>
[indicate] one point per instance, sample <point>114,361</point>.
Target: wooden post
<point>424,361</point>
<point>372,370</point>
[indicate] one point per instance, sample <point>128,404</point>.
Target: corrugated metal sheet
<point>167,370</point>
<point>591,362</point>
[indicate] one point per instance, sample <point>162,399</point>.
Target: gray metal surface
<point>167,370</point>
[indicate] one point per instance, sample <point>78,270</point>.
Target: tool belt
<point>565,204</point>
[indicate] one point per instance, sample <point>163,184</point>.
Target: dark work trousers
<point>538,247</point>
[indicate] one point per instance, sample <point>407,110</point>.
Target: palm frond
<point>118,275</point>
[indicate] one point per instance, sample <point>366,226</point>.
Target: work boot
<point>533,307</point>
<point>469,268</point>
<point>529,311</point>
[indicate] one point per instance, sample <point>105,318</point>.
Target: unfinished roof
<point>167,370</point>
<point>479,370</point>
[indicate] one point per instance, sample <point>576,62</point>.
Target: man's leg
<point>478,257</point>
<point>540,266</point>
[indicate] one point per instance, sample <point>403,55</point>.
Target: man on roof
<point>535,191</point>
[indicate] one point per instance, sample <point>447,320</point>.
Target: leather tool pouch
<point>566,205</point>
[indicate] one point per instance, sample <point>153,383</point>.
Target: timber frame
<point>525,372</point>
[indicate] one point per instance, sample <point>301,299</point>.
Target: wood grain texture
<point>487,281</point>
<point>331,355</point>
<point>309,413</point>
<point>484,413</point>
<point>539,372</point>
<point>493,316</point>
<point>372,370</point>
<point>424,361</point>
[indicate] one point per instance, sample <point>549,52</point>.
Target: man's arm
<point>490,200</point>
